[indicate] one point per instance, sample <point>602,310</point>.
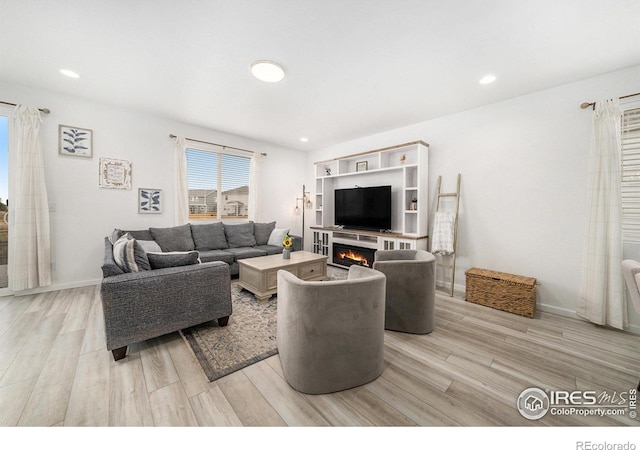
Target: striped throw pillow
<point>129,255</point>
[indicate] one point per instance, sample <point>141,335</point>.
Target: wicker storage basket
<point>513,293</point>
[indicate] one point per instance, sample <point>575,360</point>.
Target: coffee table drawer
<point>311,270</point>
<point>272,277</point>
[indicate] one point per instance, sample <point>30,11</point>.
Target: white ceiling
<point>354,67</point>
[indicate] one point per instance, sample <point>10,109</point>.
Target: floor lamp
<point>306,203</point>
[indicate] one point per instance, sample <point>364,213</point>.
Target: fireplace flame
<point>354,257</point>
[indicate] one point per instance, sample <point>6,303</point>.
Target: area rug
<point>249,337</point>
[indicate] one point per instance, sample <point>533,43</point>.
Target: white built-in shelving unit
<point>404,167</point>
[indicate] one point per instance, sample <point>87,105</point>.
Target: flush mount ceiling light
<point>69,73</point>
<point>487,79</point>
<point>267,71</point>
<point>304,139</point>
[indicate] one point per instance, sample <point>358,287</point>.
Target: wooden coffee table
<point>260,275</point>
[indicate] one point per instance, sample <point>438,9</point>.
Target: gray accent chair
<point>330,334</point>
<point>410,291</point>
<point>142,305</point>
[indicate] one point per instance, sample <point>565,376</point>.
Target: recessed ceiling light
<point>304,139</point>
<point>487,79</point>
<point>267,71</point>
<point>69,73</point>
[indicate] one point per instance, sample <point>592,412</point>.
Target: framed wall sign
<point>74,141</point>
<point>114,173</point>
<point>362,166</point>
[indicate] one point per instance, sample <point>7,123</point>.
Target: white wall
<point>85,213</point>
<point>524,173</point>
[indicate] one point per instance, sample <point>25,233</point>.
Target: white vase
<point>286,253</point>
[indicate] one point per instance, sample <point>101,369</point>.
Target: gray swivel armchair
<point>410,291</point>
<point>331,333</point>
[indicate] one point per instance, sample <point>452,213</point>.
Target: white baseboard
<point>57,287</point>
<point>460,290</point>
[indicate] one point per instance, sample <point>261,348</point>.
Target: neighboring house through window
<point>218,185</point>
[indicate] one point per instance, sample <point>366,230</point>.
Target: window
<point>630,176</point>
<point>218,185</point>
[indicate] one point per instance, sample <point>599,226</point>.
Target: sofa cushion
<point>262,232</point>
<point>129,255</point>
<point>217,255</point>
<point>174,239</point>
<point>172,259</point>
<point>240,235</point>
<point>277,236</point>
<point>149,246</point>
<point>270,249</point>
<point>209,236</point>
<point>246,252</point>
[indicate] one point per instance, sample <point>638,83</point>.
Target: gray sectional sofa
<point>162,280</point>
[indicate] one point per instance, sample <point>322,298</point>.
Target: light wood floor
<point>55,371</point>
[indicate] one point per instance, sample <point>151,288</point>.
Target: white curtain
<point>29,263</point>
<point>601,298</point>
<point>254,189</point>
<point>181,184</point>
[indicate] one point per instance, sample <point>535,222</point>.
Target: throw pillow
<point>129,255</point>
<point>149,246</point>
<point>277,236</point>
<point>174,239</point>
<point>173,259</point>
<point>240,235</point>
<point>209,236</point>
<point>115,235</point>
<point>262,232</point>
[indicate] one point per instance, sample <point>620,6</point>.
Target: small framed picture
<point>74,141</point>
<point>149,201</point>
<point>362,166</point>
<point>114,173</point>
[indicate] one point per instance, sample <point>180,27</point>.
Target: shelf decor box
<point>512,293</point>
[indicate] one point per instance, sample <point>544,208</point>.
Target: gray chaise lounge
<point>150,303</point>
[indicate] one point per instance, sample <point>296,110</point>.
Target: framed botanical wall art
<point>114,173</point>
<point>74,141</point>
<point>149,201</point>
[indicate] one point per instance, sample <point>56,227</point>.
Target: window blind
<point>630,177</point>
<point>218,185</point>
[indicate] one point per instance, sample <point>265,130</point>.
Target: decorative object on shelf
<point>362,166</point>
<point>114,173</point>
<point>287,243</point>
<point>403,158</point>
<point>327,171</point>
<point>149,201</point>
<point>414,204</point>
<point>74,141</point>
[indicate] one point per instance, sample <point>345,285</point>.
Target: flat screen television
<point>365,208</point>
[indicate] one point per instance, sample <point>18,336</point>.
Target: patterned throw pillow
<point>173,259</point>
<point>129,255</point>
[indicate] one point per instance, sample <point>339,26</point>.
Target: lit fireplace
<point>348,255</point>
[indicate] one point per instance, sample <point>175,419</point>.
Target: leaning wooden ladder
<point>456,196</point>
